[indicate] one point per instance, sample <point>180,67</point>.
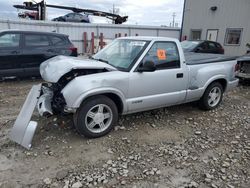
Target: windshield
<point>121,53</point>
<point>189,45</point>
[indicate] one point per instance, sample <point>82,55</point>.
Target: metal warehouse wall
<point>230,14</point>
<point>76,30</point>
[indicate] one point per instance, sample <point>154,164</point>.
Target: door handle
<point>179,75</point>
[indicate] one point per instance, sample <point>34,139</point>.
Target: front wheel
<point>96,117</point>
<point>212,97</point>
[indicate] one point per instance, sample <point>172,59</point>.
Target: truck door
<point>10,63</point>
<point>165,86</point>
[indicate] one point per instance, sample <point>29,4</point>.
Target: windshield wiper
<point>102,60</point>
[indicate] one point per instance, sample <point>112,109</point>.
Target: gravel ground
<point>179,146</point>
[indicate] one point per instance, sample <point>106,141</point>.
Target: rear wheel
<point>96,117</point>
<point>212,96</point>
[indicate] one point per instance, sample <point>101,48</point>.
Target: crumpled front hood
<point>53,69</point>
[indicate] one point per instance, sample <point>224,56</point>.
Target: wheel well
<point>116,99</point>
<point>223,82</point>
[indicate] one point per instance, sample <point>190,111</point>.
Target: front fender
<point>99,91</point>
<point>85,86</point>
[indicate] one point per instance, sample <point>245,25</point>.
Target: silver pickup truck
<point>131,74</point>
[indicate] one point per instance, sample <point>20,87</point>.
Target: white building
<point>224,21</point>
<point>76,30</point>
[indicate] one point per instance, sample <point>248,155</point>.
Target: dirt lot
<point>179,146</point>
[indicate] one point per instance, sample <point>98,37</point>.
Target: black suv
<point>22,52</point>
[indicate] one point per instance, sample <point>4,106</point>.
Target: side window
<point>9,40</point>
<point>57,41</point>
<point>195,34</point>
<point>233,36</point>
<point>212,45</point>
<point>78,16</point>
<point>218,45</point>
<point>70,15</point>
<point>36,40</point>
<point>165,55</point>
<point>204,46</point>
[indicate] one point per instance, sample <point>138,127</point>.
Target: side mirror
<point>148,66</point>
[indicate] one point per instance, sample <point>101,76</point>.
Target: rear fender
<point>195,92</point>
<point>213,79</point>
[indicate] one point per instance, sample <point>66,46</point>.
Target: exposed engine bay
<point>52,92</point>
<point>57,72</point>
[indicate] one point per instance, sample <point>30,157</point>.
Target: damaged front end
<point>23,130</point>
<point>44,102</point>
<point>49,101</point>
<point>48,97</point>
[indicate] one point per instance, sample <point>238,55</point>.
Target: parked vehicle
<point>131,74</point>
<point>202,47</point>
<point>73,17</point>
<point>28,15</point>
<point>22,52</point>
<point>243,67</point>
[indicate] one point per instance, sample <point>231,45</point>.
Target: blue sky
<point>141,12</point>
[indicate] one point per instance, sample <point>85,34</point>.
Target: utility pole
<point>182,22</point>
<point>113,11</point>
<point>174,15</point>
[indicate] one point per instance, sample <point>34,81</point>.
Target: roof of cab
<point>149,38</point>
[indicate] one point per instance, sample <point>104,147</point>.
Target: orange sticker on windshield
<point>161,54</point>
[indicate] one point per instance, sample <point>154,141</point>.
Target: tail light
<point>73,50</point>
<point>222,50</point>
<point>237,67</point>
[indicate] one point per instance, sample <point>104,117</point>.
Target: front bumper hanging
<point>24,129</point>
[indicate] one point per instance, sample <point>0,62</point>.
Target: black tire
<point>81,115</point>
<point>204,101</point>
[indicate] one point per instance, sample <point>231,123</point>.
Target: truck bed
<point>199,58</point>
